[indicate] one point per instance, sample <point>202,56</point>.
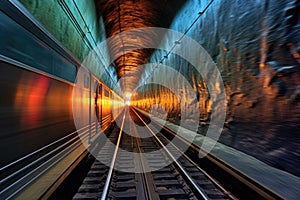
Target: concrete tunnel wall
<point>255,45</point>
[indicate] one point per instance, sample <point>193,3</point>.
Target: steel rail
<point>243,178</point>
<point>191,161</point>
<point>147,190</point>
<point>196,188</point>
<point>111,168</point>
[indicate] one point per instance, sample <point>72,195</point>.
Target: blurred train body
<point>41,94</point>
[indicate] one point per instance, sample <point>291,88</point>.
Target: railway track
<point>181,179</point>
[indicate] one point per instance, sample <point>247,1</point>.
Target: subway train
<point>42,95</point>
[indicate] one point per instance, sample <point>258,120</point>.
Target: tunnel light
<point>127,96</point>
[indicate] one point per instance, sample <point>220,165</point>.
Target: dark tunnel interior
<point>225,70</point>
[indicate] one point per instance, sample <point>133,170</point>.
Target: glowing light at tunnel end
<point>197,56</point>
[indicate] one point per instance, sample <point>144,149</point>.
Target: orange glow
<point>30,99</point>
<point>122,16</point>
<point>106,103</point>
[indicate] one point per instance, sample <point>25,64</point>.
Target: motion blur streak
<point>32,99</point>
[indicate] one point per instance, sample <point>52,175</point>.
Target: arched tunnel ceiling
<point>123,15</point>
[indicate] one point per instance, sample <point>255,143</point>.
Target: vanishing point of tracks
<point>181,179</point>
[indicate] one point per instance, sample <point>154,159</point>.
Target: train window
<point>106,93</point>
<point>100,89</point>
<point>86,81</point>
<point>21,45</point>
<point>63,68</point>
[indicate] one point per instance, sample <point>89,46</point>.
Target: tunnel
<point>212,83</point>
